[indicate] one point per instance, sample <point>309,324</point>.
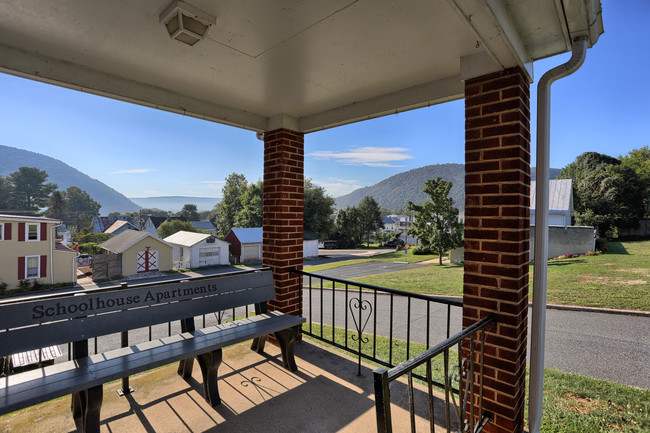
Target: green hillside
<point>396,191</point>
<point>65,176</point>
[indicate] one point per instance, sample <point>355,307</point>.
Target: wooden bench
<point>74,318</point>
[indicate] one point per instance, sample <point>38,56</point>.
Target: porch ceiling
<point>301,64</point>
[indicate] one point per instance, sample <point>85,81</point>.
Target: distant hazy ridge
<point>65,176</point>
<point>396,191</point>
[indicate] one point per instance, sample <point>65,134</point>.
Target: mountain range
<point>174,203</point>
<point>392,193</point>
<point>396,191</point>
<point>65,176</point>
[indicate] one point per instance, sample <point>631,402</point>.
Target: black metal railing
<point>356,317</point>
<point>469,406</point>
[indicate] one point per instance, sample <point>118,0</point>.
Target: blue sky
<point>141,152</point>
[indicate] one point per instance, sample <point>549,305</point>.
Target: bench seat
<point>37,386</point>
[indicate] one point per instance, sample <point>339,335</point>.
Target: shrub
<point>3,287</point>
<point>601,245</point>
<point>90,248</point>
<point>97,238</point>
<point>24,285</point>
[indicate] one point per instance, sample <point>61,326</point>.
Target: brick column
<point>497,227</point>
<point>283,215</point>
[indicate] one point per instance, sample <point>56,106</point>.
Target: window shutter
<point>21,268</point>
<point>21,232</point>
<point>43,231</point>
<point>43,266</point>
<point>7,234</point>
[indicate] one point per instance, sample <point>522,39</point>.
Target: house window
<point>2,232</point>
<point>32,266</point>
<point>33,232</point>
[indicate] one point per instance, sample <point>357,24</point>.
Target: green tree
<point>223,214</point>
<point>81,208</point>
<point>5,194</point>
<point>204,215</point>
<point>318,210</point>
<point>168,228</point>
<point>30,191</point>
<point>639,161</point>
<point>383,237</point>
<point>189,213</point>
<point>370,214</point>
<point>252,204</point>
<point>151,212</point>
<point>349,229</point>
<point>57,206</point>
<point>436,224</point>
<point>607,194</point>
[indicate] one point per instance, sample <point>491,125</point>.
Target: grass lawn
<point>618,279</point>
<point>572,403</point>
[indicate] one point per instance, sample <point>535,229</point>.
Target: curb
<point>560,307</point>
<point>597,310</point>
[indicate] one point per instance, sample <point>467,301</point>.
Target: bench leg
<point>86,406</point>
<point>258,344</point>
<point>209,363</point>
<point>287,339</point>
<point>185,368</point>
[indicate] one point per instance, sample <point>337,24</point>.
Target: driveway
<point>372,267</point>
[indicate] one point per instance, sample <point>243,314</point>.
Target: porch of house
<point>258,395</point>
<point>285,72</point>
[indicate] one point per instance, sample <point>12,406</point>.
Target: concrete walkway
<point>258,395</point>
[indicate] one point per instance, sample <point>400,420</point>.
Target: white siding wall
<point>251,252</point>
<point>310,248</point>
<point>222,247</point>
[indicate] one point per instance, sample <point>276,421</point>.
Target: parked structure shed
<point>195,250</point>
<point>141,252</point>
<point>245,244</point>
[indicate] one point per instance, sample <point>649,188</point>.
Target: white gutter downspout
<point>538,328</point>
<point>52,242</point>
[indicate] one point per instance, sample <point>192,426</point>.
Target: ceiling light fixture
<point>186,23</point>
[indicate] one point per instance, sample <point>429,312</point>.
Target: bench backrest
<point>57,319</point>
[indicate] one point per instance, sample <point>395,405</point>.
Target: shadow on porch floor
<point>258,395</point>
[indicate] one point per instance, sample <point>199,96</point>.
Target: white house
<point>206,226</point>
<point>560,201</point>
<point>151,224</point>
<point>195,250</point>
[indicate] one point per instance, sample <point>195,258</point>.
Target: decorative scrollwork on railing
<point>457,374</point>
<point>357,308</point>
<point>360,307</point>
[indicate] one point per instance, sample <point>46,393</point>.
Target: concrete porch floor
<point>258,395</point>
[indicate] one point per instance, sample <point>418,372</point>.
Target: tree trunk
<point>440,257</point>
